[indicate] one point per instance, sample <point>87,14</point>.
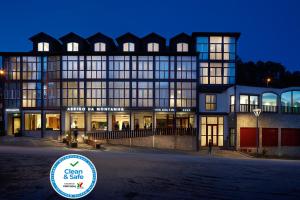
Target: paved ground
<point>148,174</point>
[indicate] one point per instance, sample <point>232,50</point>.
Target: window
<point>269,102</point>
<point>210,102</point>
<point>182,47</point>
<point>53,122</point>
<point>162,67</point>
<point>53,67</point>
<point>73,93</point>
<point>128,47</point>
<point>229,48</point>
<point>186,67</point>
<point>119,94</point>
<point>186,94</point>
<point>72,46</point>
<point>248,103</point>
<point>119,67</point>
<point>202,47</point>
<point>144,68</point>
<point>99,47</point>
<point>142,94</point>
<point>204,73</point>
<point>228,73</point>
<point>77,121</point>
<point>290,102</point>
<point>215,48</point>
<point>73,67</point>
<point>52,94</point>
<point>13,68</point>
<point>96,93</point>
<point>153,47</point>
<point>232,103</point>
<point>43,46</point>
<point>212,128</point>
<point>12,95</point>
<point>96,67</point>
<point>215,73</point>
<point>32,94</point>
<point>164,98</point>
<point>32,122</point>
<point>31,68</point>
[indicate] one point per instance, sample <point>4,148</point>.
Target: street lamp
<point>1,72</point>
<point>257,112</point>
<point>268,81</point>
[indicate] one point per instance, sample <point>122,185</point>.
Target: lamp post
<point>257,112</point>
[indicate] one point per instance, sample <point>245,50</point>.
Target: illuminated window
<point>96,93</point>
<point>186,67</point>
<point>99,122</point>
<point>248,103</point>
<point>153,47</point>
<point>119,94</point>
<point>119,67</point>
<point>52,94</point>
<point>31,68</point>
<point>53,122</point>
<point>73,67</point>
<point>12,66</point>
<point>229,48</point>
<point>99,47</point>
<point>186,94</point>
<point>144,68</point>
<point>163,95</point>
<point>73,93</point>
<point>210,102</point>
<point>202,47</point>
<point>32,122</point>
<point>204,73</point>
<point>72,46</point>
<point>43,46</point>
<point>128,47</point>
<point>96,67</point>
<point>142,94</point>
<point>182,47</point>
<point>215,48</point>
<point>215,73</point>
<point>162,67</point>
<point>31,94</point>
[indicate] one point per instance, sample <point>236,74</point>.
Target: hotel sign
<point>173,110</point>
<point>12,110</point>
<point>95,109</point>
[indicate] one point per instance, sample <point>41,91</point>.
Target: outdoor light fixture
<point>1,72</point>
<point>268,81</point>
<point>257,112</point>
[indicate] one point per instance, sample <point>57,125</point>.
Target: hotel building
<point>184,86</point>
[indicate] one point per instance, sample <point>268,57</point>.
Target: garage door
<point>247,137</point>
<point>269,137</point>
<point>290,137</point>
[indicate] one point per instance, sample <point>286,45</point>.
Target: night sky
<point>270,28</point>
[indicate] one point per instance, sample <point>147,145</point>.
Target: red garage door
<point>290,137</point>
<point>269,137</point>
<point>248,137</point>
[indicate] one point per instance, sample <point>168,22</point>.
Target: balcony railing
<point>269,109</point>
<point>289,109</point>
<point>247,107</point>
<point>104,135</point>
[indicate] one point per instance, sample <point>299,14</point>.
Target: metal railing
<point>247,107</point>
<point>290,109</point>
<point>269,109</point>
<point>104,135</point>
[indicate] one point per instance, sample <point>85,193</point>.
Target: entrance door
<point>16,125</point>
<point>182,122</point>
<point>212,134</point>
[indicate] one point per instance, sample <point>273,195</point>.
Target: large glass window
<point>204,73</point>
<point>128,47</point>
<point>73,93</point>
<point>119,67</point>
<point>99,121</point>
<point>248,103</point>
<point>72,46</point>
<point>186,67</point>
<point>269,102</point>
<point>164,97</point>
<point>96,67</point>
<point>99,47</point>
<point>12,95</point>
<point>186,94</point>
<point>290,102</point>
<point>229,48</point>
<point>43,46</point>
<point>215,73</point>
<point>153,47</point>
<point>119,94</point>
<point>144,69</point>
<point>96,93</point>
<point>142,94</point>
<point>32,94</point>
<point>215,48</point>
<point>13,68</point>
<point>161,67</point>
<point>73,67</point>
<point>77,121</point>
<point>229,73</point>
<point>212,129</point>
<point>53,122</point>
<point>53,67</point>
<point>32,122</point>
<point>52,94</point>
<point>31,68</point>
<point>210,102</point>
<point>202,47</point>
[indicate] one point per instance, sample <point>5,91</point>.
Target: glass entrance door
<point>16,125</point>
<point>212,134</point>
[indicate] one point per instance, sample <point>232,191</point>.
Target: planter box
<point>73,145</point>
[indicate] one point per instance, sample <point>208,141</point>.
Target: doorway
<point>16,126</point>
<point>212,134</point>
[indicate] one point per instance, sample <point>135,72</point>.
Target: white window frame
<point>153,47</point>
<point>128,47</point>
<point>72,46</point>
<point>182,47</point>
<point>43,46</point>
<point>99,47</point>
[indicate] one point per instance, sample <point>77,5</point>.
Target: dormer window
<point>99,47</point>
<point>43,46</point>
<point>128,47</point>
<point>153,47</point>
<point>72,46</point>
<point>182,47</point>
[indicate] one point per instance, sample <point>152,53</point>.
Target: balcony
<point>269,109</point>
<point>247,107</point>
<point>290,109</point>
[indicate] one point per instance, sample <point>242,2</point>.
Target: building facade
<point>100,84</point>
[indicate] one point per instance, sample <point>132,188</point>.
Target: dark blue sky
<point>270,28</point>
